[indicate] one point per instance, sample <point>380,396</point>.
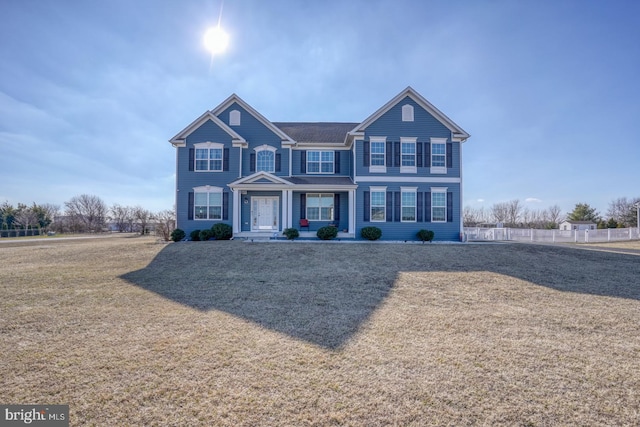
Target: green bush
<point>195,235</point>
<point>222,231</point>
<point>425,235</point>
<point>205,235</point>
<point>177,235</point>
<point>291,233</point>
<point>371,233</point>
<point>327,233</point>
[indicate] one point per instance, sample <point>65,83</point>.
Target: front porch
<point>277,235</point>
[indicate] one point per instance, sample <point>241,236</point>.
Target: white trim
<point>414,168</point>
<point>407,113</point>
<point>408,169</point>
<point>320,162</point>
<point>440,190</point>
<point>277,215</point>
<point>251,179</point>
<point>207,189</point>
<point>377,169</point>
<point>377,189</point>
<point>234,118</point>
<point>435,180</point>
<point>437,170</point>
<point>236,217</point>
<point>352,211</point>
<point>208,144</point>
<point>414,191</point>
<point>265,147</point>
<point>180,140</point>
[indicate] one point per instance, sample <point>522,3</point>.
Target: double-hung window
<point>438,204</point>
<point>377,154</point>
<point>378,204</point>
<point>408,204</point>
<point>320,161</point>
<point>319,207</point>
<point>408,155</point>
<point>208,157</point>
<point>438,155</point>
<point>207,203</point>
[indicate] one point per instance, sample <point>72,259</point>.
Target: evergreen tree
<point>584,212</point>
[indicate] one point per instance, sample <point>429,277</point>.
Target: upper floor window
<point>377,153</point>
<point>407,113</point>
<point>438,205</point>
<point>207,203</point>
<point>265,159</point>
<point>408,155</point>
<point>320,207</point>
<point>438,155</point>
<point>208,157</point>
<point>234,118</point>
<point>320,161</point>
<point>408,204</point>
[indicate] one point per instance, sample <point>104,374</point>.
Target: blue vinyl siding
<point>396,230</point>
<point>256,134</point>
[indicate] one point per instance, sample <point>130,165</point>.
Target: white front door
<point>264,213</point>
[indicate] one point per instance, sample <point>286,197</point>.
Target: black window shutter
<point>225,206</point>
<point>336,162</point>
<point>278,162</point>
<point>336,207</point>
<point>303,206</point>
<point>396,153</point>
<point>389,206</point>
<point>252,162</point>
<point>192,158</point>
<point>396,206</point>
<point>365,153</point>
<point>420,205</point>
<point>419,155</point>
<point>389,154</point>
<point>449,207</point>
<point>367,206</point>
<point>449,155</point>
<point>303,162</point>
<point>427,206</point>
<point>225,159</point>
<point>427,154</point>
<point>190,204</point>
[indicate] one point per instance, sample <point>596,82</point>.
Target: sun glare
<point>216,40</point>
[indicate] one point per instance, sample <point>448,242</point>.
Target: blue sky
<point>91,91</point>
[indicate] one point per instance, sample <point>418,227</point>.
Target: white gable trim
<point>257,177</point>
<point>286,139</point>
<point>458,133</point>
<point>180,140</point>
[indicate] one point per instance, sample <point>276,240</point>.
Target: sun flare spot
<point>216,40</point>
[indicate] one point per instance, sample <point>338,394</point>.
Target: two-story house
<point>399,170</point>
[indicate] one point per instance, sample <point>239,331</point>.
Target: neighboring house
<point>577,225</point>
<point>399,170</point>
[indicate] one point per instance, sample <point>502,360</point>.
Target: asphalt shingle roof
<point>316,132</point>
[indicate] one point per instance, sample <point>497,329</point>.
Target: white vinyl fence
<point>550,236</point>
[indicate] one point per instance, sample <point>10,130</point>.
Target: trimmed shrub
<point>327,233</point>
<point>195,235</point>
<point>425,235</point>
<point>205,235</point>
<point>291,233</point>
<point>222,231</point>
<point>371,233</point>
<point>177,235</point>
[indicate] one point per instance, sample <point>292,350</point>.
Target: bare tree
<point>122,216</point>
<point>514,212</point>
<point>86,213</point>
<point>165,223</point>
<point>554,216</point>
<point>623,211</point>
<point>25,217</point>
<point>142,217</point>
<point>500,212</point>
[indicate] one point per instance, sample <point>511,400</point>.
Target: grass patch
<point>130,332</point>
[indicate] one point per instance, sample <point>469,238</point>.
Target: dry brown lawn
<point>131,332</point>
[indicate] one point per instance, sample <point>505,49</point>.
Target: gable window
<point>265,159</point>
<point>408,204</point>
<point>320,161</point>
<point>234,118</point>
<point>207,203</point>
<point>438,155</point>
<point>378,204</point>
<point>407,113</point>
<point>408,155</point>
<point>208,157</point>
<point>320,206</point>
<point>438,204</point>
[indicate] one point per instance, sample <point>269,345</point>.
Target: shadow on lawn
<point>322,293</point>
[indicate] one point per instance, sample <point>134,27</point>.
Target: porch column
<point>352,211</point>
<point>288,207</point>
<point>235,218</point>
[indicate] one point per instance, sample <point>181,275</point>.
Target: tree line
<point>84,214</point>
<point>622,213</point>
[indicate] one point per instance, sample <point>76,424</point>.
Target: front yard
<point>130,332</point>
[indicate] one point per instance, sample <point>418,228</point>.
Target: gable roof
<point>319,132</point>
<point>458,133</point>
<point>180,139</point>
<point>286,139</point>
